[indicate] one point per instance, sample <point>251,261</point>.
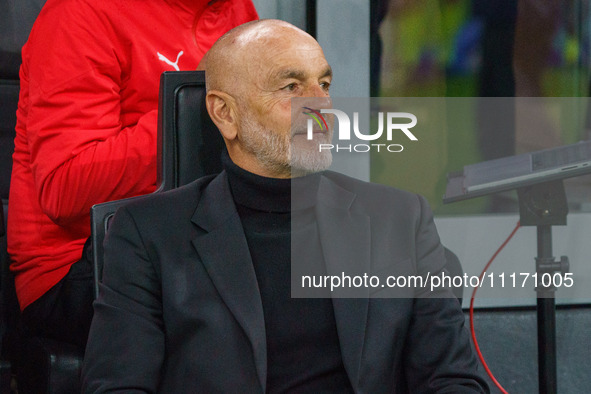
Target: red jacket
<point>87,114</point>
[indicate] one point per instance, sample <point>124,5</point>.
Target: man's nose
<point>316,102</point>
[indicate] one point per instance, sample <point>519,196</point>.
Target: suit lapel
<point>345,240</point>
<point>224,253</point>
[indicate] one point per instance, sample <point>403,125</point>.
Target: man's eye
<point>290,87</point>
<point>325,85</point>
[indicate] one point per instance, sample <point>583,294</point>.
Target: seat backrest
<point>189,147</point>
<point>189,144</point>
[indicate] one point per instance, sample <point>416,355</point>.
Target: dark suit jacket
<point>180,310</point>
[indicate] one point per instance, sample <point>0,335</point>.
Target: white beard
<point>291,154</point>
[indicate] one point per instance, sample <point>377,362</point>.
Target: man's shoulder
<point>371,192</point>
<point>181,200</point>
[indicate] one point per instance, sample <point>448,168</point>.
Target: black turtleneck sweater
<point>303,353</point>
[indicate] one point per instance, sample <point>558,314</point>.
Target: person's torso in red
<point>86,121</point>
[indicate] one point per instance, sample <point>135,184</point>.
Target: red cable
<point>488,371</point>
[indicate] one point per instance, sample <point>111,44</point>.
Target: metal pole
<point>546,314</point>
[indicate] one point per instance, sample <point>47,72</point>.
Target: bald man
<point>196,286</point>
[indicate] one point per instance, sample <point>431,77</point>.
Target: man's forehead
<point>297,60</point>
<point>291,72</point>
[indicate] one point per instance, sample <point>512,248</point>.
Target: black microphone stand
<point>544,205</point>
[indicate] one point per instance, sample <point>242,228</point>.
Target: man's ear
<point>222,110</point>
